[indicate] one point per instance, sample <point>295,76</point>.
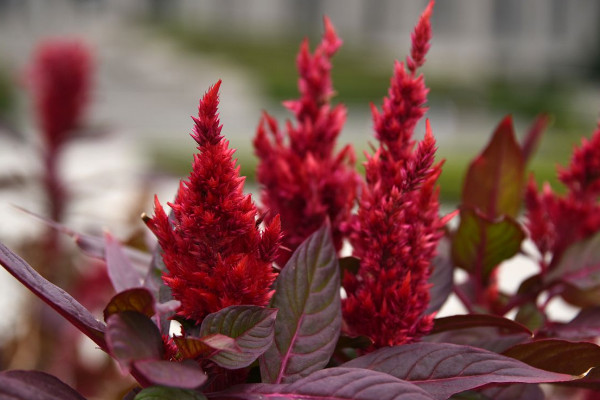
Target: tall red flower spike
<point>302,179</point>
<point>555,222</point>
<point>60,81</point>
<point>396,231</point>
<point>214,252</point>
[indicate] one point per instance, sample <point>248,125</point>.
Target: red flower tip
<point>555,222</point>
<point>207,129</point>
<point>213,249</point>
<point>60,79</point>
<point>396,231</point>
<point>303,179</point>
<point>420,39</point>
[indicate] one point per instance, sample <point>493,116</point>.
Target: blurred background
<point>153,60</point>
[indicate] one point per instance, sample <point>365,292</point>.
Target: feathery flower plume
<point>555,222</point>
<point>302,179</point>
<point>60,81</point>
<point>214,252</point>
<point>397,228</point>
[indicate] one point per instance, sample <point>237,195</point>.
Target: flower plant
<point>258,291</point>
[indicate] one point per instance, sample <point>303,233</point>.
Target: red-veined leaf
<point>331,384</point>
<point>252,328</point>
<point>170,373</point>
<point>307,294</point>
<point>586,325</point>
<point>495,179</point>
<point>485,337</point>
<point>533,136</point>
<point>579,265</point>
<point>54,296</point>
<point>34,385</point>
<point>480,244</point>
<point>132,336</point>
<point>445,369</point>
<point>138,299</point>
<point>477,320</point>
<point>575,358</point>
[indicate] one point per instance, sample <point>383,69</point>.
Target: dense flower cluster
<point>397,228</point>
<point>214,252</point>
<point>60,81</point>
<point>555,222</point>
<point>302,179</point>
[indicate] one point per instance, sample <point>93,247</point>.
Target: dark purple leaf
<point>331,384</point>
<point>586,325</point>
<point>169,373</point>
<point>168,393</point>
<point>480,244</point>
<point>530,316</point>
<point>350,264</point>
<point>54,296</point>
<point>121,271</point>
<point>353,342</point>
<point>132,336</point>
<point>488,338</point>
<point>445,369</point>
<point>34,385</point>
<point>95,246</point>
<point>205,347</point>
<point>307,294</point>
<point>442,276</point>
<point>139,299</point>
<point>477,320</point>
<point>252,327</point>
<point>574,358</point>
<point>579,265</point>
<point>495,179</point>
<point>513,391</point>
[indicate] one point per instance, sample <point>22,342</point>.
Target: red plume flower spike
<point>396,231</point>
<point>302,179</point>
<point>214,252</point>
<point>555,222</point>
<point>60,81</point>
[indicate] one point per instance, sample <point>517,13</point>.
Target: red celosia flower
<point>397,228</point>
<point>60,81</point>
<point>555,222</point>
<point>214,252</point>
<point>303,180</point>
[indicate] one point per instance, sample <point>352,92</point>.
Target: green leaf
<point>138,299</point>
<point>495,179</point>
<point>251,327</point>
<point>579,265</point>
<point>307,294</point>
<point>480,244</point>
<point>168,393</point>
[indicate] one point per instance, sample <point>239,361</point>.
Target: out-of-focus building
<point>531,38</point>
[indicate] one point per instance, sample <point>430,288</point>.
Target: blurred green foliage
<point>8,94</point>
